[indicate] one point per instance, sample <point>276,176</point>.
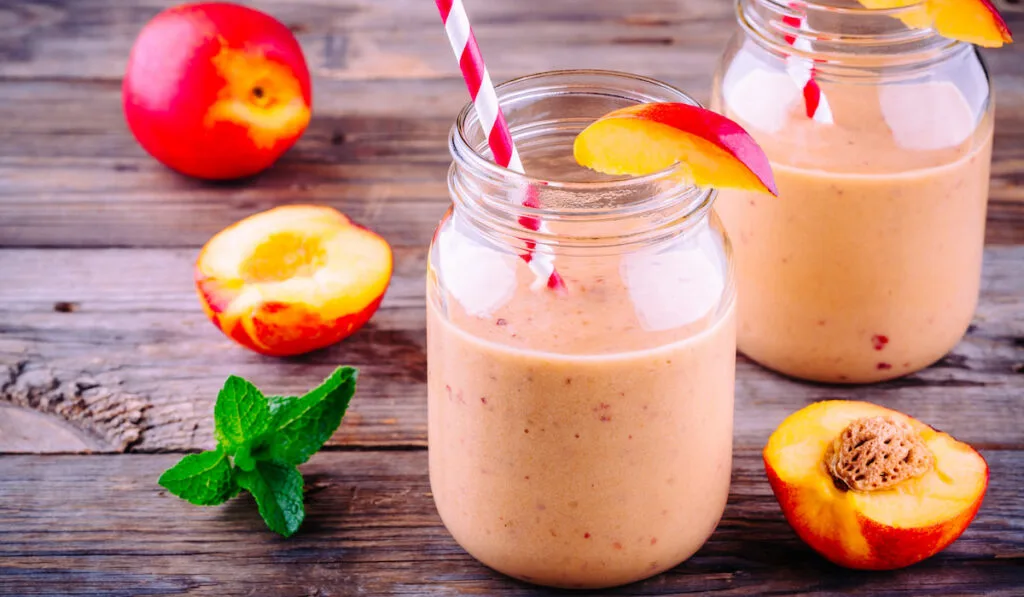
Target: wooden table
<point>108,368</point>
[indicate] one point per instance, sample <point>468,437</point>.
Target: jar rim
<point>888,37</point>
<point>494,196</point>
<point>819,5</point>
<point>466,155</point>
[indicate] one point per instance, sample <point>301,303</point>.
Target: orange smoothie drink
<point>578,438</point>
<point>867,266</point>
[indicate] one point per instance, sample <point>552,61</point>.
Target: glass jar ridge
<point>844,38</point>
<point>588,210</point>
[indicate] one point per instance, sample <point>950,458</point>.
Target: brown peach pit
<point>877,453</point>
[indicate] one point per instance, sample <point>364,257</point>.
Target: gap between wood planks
<point>91,341</point>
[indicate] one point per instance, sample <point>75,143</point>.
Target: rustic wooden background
<point>107,363</point>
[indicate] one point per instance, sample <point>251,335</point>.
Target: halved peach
<point>871,488</point>
<point>292,279</point>
<point>973,21</point>
<point>648,138</point>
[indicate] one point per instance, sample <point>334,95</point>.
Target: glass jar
<point>579,438</point>
<point>868,265</point>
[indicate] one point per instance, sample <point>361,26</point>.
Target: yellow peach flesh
<point>293,267</point>
<point>837,517</point>
<point>973,21</point>
<point>634,147</point>
<point>648,138</point>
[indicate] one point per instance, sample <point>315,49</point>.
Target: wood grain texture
<point>397,39</point>
<point>114,341</point>
<point>71,174</point>
<point>385,92</point>
<point>401,39</point>
<point>26,427</point>
<point>103,347</point>
<point>104,527</point>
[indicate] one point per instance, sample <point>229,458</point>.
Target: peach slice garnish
<point>648,138</point>
<point>973,21</point>
<point>872,488</point>
<point>292,279</point>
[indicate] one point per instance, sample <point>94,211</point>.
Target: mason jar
<point>580,435</point>
<point>868,265</point>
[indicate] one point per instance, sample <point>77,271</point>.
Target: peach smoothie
<point>572,443</point>
<point>867,266</point>
<point>580,424</point>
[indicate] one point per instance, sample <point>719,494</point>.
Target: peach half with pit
<point>871,488</point>
<point>648,138</point>
<point>292,279</point>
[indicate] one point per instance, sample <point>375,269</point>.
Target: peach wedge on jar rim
<point>648,138</point>
<point>292,279</point>
<point>972,21</point>
<point>871,488</point>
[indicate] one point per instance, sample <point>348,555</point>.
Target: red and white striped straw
<point>801,70</point>
<point>492,120</point>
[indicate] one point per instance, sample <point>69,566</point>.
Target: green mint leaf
<point>241,414</point>
<point>278,493</point>
<point>243,459</point>
<point>300,426</point>
<point>204,479</point>
<point>276,402</point>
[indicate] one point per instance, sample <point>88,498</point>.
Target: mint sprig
<point>260,442</point>
<point>203,479</point>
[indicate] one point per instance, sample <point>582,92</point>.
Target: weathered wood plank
<point>365,39</point>
<point>103,527</point>
<point>400,39</point>
<point>106,350</point>
<point>385,95</point>
<point>71,174</point>
<point>115,341</point>
<point>21,427</point>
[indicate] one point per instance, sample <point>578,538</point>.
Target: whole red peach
<point>216,91</point>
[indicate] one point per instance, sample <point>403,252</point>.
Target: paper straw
<point>801,70</point>
<point>492,120</point>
